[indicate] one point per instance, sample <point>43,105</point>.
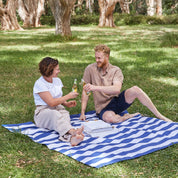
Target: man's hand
<point>82,117</point>
<point>89,87</point>
<point>70,104</point>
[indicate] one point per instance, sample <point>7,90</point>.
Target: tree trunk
<point>154,7</point>
<point>30,12</point>
<point>150,7</point>
<point>124,5</point>
<point>61,10</point>
<point>89,5</point>
<point>8,17</point>
<point>107,8</point>
<point>159,7</point>
<point>80,2</point>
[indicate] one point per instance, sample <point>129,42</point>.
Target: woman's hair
<point>102,48</point>
<point>47,65</point>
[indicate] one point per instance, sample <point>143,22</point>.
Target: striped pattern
<point>136,137</point>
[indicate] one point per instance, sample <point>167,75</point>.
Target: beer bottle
<point>74,87</point>
<point>84,83</point>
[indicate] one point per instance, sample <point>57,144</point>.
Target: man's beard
<point>101,64</point>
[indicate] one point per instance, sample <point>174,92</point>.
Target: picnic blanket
<point>135,137</point>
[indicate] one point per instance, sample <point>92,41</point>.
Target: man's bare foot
<point>164,118</point>
<point>131,115</point>
<point>125,117</point>
<point>76,139</point>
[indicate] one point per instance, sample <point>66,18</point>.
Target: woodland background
<point>20,14</point>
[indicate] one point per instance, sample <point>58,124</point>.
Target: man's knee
<point>132,93</point>
<point>108,116</point>
<point>135,90</point>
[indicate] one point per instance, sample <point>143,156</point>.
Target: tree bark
<point>61,10</point>
<point>107,8</point>
<point>30,12</point>
<point>8,17</point>
<point>154,7</point>
<point>124,5</point>
<point>89,5</point>
<point>159,7</point>
<point>79,4</point>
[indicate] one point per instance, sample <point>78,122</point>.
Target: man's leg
<point>135,92</point>
<point>111,117</point>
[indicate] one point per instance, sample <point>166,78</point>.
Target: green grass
<point>137,50</point>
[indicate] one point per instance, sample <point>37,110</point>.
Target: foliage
<point>134,20</point>
<point>170,7</point>
<point>142,19</point>
<point>135,49</point>
<point>119,19</point>
<point>75,20</point>
<point>84,19</point>
<point>138,7</point>
<point>47,20</point>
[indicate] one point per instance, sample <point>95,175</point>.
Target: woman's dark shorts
<point>117,104</point>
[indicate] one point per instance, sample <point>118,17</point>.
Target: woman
<point>50,112</point>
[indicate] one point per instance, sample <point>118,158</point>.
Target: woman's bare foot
<point>76,139</point>
<point>80,130</point>
<point>76,131</point>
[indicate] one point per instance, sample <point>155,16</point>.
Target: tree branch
<point>78,4</point>
<point>128,2</point>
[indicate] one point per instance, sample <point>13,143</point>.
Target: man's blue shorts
<point>117,104</point>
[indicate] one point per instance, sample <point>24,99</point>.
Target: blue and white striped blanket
<point>136,137</point>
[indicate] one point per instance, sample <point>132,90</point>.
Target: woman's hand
<point>70,104</point>
<point>73,95</point>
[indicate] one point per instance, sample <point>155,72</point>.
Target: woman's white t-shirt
<point>41,85</point>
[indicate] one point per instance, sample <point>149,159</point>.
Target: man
<point>105,81</point>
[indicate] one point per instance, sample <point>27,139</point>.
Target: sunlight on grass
<point>21,47</point>
<point>158,64</point>
<point>130,67</point>
<point>4,110</point>
<point>166,80</point>
<point>78,43</point>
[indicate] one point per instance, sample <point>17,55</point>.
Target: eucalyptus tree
<point>30,12</point>
<point>106,8</point>
<point>124,5</point>
<point>154,7</point>
<point>8,18</point>
<point>62,10</point>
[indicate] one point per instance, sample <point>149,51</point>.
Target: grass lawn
<point>143,56</point>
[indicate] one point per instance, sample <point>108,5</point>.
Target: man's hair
<point>47,65</point>
<point>102,48</point>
